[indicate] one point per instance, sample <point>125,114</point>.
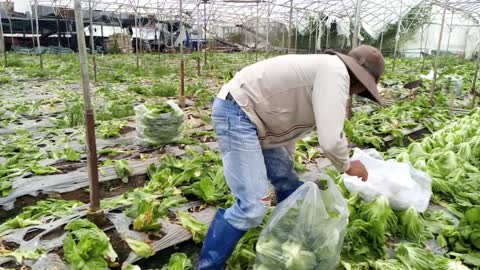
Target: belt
<point>229,97</point>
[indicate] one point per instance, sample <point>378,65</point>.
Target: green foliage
<point>141,248</point>
<point>178,261</point>
<point>123,170</point>
<point>198,229</point>
<point>31,215</point>
<point>86,247</point>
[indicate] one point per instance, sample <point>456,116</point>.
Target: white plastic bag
<point>154,129</point>
<point>403,185</point>
<point>305,231</point>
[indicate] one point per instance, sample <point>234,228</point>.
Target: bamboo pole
<point>38,35</point>
<point>89,115</point>
<point>397,37</point>
<point>182,62</point>
<point>92,41</point>
<point>434,81</point>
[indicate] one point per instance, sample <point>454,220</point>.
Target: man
<point>260,114</point>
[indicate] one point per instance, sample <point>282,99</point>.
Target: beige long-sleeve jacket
<point>287,96</point>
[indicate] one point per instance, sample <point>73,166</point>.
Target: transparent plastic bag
<point>155,129</point>
<point>403,185</point>
<point>305,231</point>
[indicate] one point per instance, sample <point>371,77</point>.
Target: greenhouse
<point>240,134</point>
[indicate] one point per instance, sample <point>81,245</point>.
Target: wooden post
<point>38,35</point>
<point>434,81</point>
<point>182,63</point>
<point>89,115</point>
<point>474,84</point>
<point>92,41</point>
<point>397,37</point>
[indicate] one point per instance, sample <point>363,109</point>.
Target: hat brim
<point>365,78</point>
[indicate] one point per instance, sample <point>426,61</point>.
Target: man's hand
<point>357,169</point>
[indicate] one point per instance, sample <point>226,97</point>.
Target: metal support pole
<point>289,36</point>
<point>136,39</point>
<point>2,41</point>
<point>256,35</point>
<point>89,115</point>
<point>317,29</point>
<point>268,29</point>
<point>397,37</point>
<point>199,27</point>
<point>58,32</point>
<point>381,35</point>
<point>432,89</point>
<point>309,37</point>
<point>182,66</point>
<point>357,27</point>
<point>38,35</point>
<point>296,33</point>
<point>205,26</point>
<point>33,35</point>
<point>92,41</point>
<point>103,38</point>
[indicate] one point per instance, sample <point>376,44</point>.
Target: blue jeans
<point>248,167</point>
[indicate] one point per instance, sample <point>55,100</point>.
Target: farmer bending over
<point>260,114</point>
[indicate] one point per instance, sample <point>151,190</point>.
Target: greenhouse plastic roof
<point>375,15</point>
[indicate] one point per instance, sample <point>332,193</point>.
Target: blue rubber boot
<point>219,243</point>
<point>282,195</point>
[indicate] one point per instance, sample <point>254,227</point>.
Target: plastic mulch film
<point>154,129</point>
<point>305,231</point>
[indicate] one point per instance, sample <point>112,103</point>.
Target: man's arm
<point>330,94</point>
<point>329,97</point>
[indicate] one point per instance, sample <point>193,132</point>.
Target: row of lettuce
<point>446,236</point>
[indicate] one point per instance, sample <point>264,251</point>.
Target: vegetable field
<point>159,200</point>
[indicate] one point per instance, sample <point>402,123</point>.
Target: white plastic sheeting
<point>461,35</point>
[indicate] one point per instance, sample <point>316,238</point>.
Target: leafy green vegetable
<point>178,261</point>
<point>123,170</point>
<point>87,247</point>
<point>31,215</point>
<point>141,248</point>
<point>71,155</point>
<point>198,229</point>
<point>469,226</point>
<point>20,254</point>
<point>111,128</point>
